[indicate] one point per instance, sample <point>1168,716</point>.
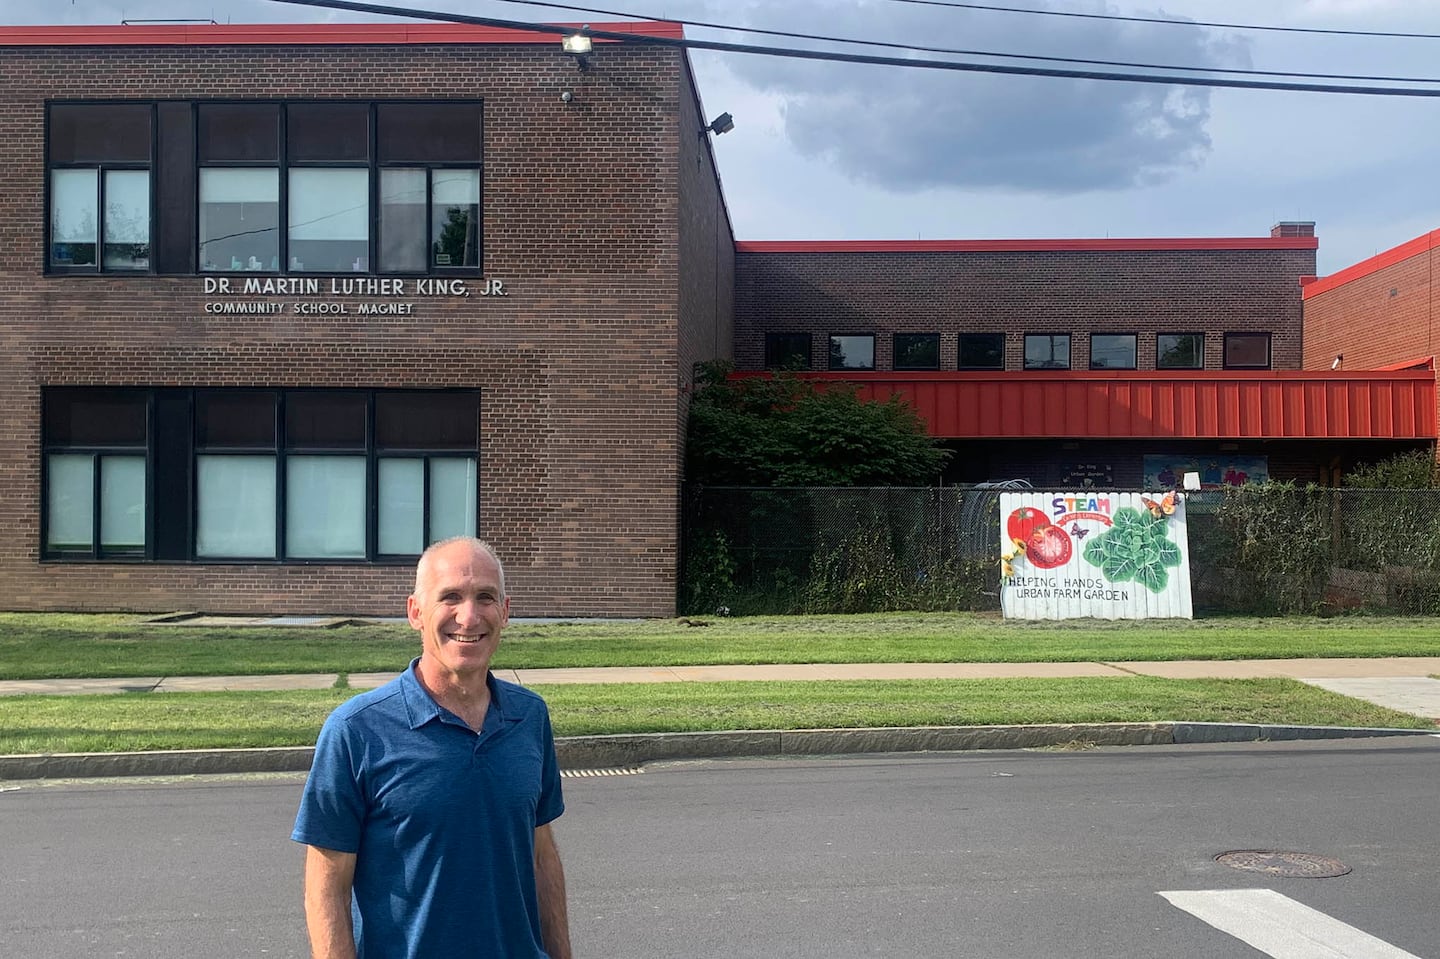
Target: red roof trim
<point>1025,246</point>
<point>1376,263</point>
<point>1272,405</point>
<point>1419,363</point>
<point>305,34</point>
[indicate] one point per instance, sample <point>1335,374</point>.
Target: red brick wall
<point>1076,292</point>
<point>577,363</point>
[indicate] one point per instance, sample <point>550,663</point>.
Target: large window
<point>1112,351</point>
<point>1047,351</point>
<point>982,351</point>
<point>852,352</point>
<point>1247,351</point>
<point>99,187</point>
<point>916,351</point>
<point>300,475</point>
<point>270,187</point>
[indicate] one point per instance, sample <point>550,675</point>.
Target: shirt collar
<point>422,708</point>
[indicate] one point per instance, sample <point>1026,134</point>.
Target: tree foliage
<point>1412,470</point>
<point>782,430</point>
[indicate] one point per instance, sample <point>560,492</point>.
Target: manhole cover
<point>1289,865</point>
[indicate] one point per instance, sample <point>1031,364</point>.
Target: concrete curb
<point>592,752</point>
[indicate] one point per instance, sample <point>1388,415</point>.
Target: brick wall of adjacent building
<point>1387,314</point>
<point>576,363</point>
<point>1140,291</point>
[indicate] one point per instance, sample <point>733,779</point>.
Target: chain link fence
<point>1266,549</point>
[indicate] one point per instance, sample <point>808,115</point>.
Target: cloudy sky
<point>825,150</point>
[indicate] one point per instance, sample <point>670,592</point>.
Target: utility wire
<point>797,54</point>
<point>980,53</point>
<point>1170,22</point>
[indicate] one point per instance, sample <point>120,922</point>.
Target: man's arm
<point>329,876</point>
<point>550,888</point>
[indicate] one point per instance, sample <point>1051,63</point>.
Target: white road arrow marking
<point>1280,927</point>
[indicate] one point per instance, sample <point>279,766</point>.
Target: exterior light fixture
<point>724,123</point>
<point>578,45</point>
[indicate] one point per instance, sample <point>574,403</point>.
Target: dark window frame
<point>895,350</point>
<point>1269,350</point>
<point>1199,363</point>
<point>1050,365</point>
<point>996,336</point>
<point>101,167</point>
<point>773,351</point>
<point>1134,351</point>
<point>280,450</point>
<point>830,353</point>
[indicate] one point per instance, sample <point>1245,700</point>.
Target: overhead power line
<point>972,53</point>
<point>1170,21</point>
<point>798,54</point>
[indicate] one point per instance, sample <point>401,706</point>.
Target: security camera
<point>566,97</point>
<point>1339,358</point>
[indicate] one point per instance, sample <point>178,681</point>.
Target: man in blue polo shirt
<point>427,813</point>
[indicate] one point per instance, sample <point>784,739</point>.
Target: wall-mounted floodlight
<point>578,45</point>
<point>724,123</point>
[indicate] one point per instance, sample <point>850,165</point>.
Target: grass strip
<point>140,721</point>
<point>68,646</point>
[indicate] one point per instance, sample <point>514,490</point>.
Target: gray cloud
<point>912,130</point>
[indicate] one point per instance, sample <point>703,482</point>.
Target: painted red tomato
<point>1023,522</point>
<point>1048,547</point>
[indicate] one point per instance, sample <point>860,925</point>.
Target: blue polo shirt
<point>442,819</point>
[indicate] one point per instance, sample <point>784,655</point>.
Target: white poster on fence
<point>1087,553</point>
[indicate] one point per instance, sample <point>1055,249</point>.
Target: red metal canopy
<point>1397,404</point>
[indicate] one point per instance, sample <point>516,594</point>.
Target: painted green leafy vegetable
<point>1137,547</point>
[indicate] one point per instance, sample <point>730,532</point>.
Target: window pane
<point>982,351</point>
<point>852,352</point>
<point>325,507</point>
<point>324,420</point>
<point>429,132</point>
<point>239,219</point>
<point>74,217</point>
<point>330,220</point>
<point>1179,351</point>
<point>322,132</point>
<point>127,220</point>
<point>71,502</point>
<point>402,506</point>
<point>917,351</point>
<point>452,498</point>
<point>82,417</point>
<point>238,131</point>
<point>455,217</point>
<point>100,133</point>
<point>402,221</point>
<point>235,507</point>
<point>1247,349</point>
<point>235,420</point>
<point>1047,351</point>
<point>787,351</point>
<point>427,421</point>
<point>122,501</point>
<point>1112,351</point>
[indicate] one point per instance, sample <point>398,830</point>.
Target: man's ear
<point>412,611</point>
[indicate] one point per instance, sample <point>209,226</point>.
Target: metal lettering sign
<point>1066,555</point>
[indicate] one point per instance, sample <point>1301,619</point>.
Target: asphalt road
<point>996,855</point>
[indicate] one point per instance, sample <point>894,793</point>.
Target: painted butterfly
<point>1077,532</point>
<point>1165,507</point>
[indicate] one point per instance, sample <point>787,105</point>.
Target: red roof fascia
<point>1376,263</point>
<point>1026,246</point>
<point>1292,404</point>
<point>210,34</point>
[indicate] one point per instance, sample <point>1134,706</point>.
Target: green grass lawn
<point>62,646</point>
<point>134,721</point>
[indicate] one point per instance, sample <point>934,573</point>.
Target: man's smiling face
<point>460,607</point>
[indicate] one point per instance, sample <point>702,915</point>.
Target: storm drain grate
<point>593,773</point>
<point>1287,865</point>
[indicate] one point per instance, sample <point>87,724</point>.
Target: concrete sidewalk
<point>1399,683</point>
